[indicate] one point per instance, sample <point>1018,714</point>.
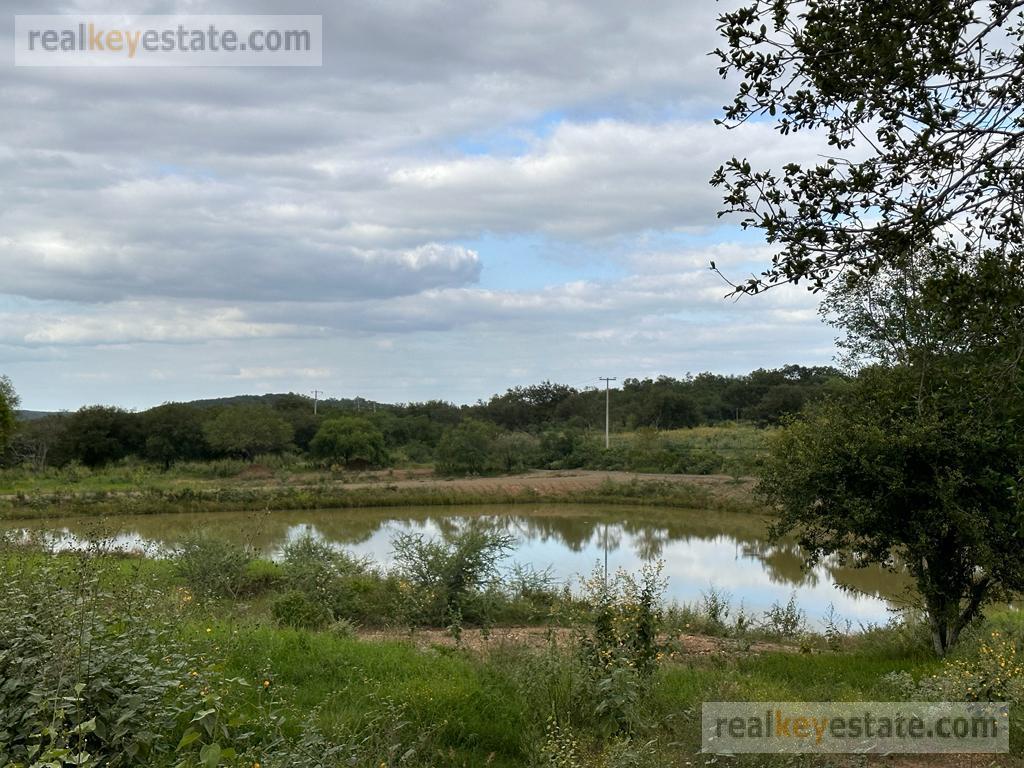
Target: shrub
<point>261,576</point>
<point>92,675</point>
<point>445,573</point>
<point>992,670</point>
<point>296,610</point>
<point>212,567</point>
<point>785,620</point>
<point>620,648</point>
<point>346,586</point>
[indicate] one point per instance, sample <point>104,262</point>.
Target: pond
<point>701,550</point>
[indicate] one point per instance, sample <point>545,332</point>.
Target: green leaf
<point>210,755</point>
<point>188,738</point>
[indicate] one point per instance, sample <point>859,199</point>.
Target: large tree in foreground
<point>919,462</point>
<point>879,474</point>
<point>922,104</point>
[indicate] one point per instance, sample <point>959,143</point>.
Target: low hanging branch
<point>923,102</point>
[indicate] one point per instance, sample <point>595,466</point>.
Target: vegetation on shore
<point>236,498</point>
<point>213,658</point>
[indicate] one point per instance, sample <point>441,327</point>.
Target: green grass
<point>345,678</point>
<point>237,498</point>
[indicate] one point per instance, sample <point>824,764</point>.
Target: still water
<point>700,549</point>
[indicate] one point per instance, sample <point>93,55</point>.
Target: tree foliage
<point>352,441</point>
<point>173,432</point>
<point>922,103</point>
<point>919,460</point>
<point>880,474</point>
<point>97,435</point>
<point>8,405</point>
<point>466,448</point>
<point>247,431</point>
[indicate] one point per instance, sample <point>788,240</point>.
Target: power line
<point>607,382</point>
<point>316,396</point>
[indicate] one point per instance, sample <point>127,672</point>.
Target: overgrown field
<point>212,658</point>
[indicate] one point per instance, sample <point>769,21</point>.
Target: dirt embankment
<point>548,482</point>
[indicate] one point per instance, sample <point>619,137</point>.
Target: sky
<point>467,196</point>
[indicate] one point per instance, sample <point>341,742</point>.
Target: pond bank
<point>717,493</point>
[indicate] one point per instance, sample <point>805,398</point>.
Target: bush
<point>213,567</point>
<point>296,610</point>
<point>700,461</point>
<point>261,576</point>
<point>620,649</point>
<point>91,675</point>
<point>785,620</point>
<point>346,586</point>
<point>446,573</point>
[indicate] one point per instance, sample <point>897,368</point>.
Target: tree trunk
<point>948,620</point>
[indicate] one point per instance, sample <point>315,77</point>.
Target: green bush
<point>351,441</point>
<point>447,574</point>
<point>212,567</point>
<point>92,675</point>
<point>620,647</point>
<point>296,610</point>
<point>262,576</point>
<point>346,586</point>
<point>467,449</point>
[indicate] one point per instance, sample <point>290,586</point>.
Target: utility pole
<point>606,381</point>
<point>316,396</point>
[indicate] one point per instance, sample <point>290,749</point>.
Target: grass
<point>295,692</point>
<point>342,679</point>
<point>235,497</point>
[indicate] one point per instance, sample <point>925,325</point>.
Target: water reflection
<point>700,549</point>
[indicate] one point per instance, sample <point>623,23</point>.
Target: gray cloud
<point>215,229</point>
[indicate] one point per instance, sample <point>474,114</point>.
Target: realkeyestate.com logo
<point>839,727</point>
<point>169,41</point>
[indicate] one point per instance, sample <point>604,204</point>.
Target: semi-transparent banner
<point>148,40</point>
<point>876,727</point>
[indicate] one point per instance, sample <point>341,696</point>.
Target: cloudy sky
<point>467,196</point>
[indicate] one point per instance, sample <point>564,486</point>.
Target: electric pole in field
<point>316,396</point>
<point>607,380</point>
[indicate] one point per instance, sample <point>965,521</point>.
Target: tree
<point>466,449</point>
<point>918,461</point>
<point>173,432</point>
<point>297,410</point>
<point>36,438</point>
<point>247,431</point>
<point>97,434</point>
<point>354,442</point>
<point>516,451</point>
<point>8,404</point>
<point>878,474</point>
<point>922,105</point>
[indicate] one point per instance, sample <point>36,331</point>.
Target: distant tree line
<point>545,424</point>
